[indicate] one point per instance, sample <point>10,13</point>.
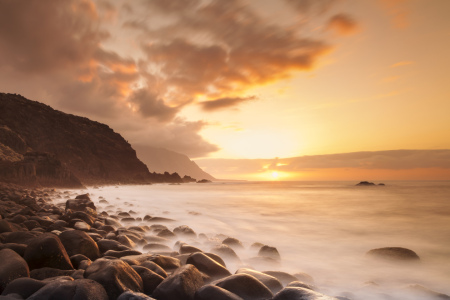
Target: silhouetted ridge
<point>88,150</point>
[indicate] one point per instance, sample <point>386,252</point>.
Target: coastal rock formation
<point>43,146</point>
<point>393,254</point>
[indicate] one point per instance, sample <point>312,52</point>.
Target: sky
<point>246,80</point>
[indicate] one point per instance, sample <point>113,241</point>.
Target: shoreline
<point>155,258</point>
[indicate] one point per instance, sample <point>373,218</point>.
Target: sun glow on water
<point>274,175</point>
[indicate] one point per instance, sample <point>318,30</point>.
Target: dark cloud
<point>222,48</point>
<point>343,24</point>
<point>150,106</point>
<point>217,104</point>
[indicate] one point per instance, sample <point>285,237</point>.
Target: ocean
<point>321,228</point>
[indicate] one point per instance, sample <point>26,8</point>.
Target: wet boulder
<point>79,242</point>
<point>166,262</point>
<point>156,247</point>
<point>184,230</point>
<point>25,287</point>
<point>186,249</point>
<point>226,253</point>
<point>18,248</point>
<point>44,273</point>
<point>207,265</point>
<point>149,278</point>
<point>71,290</point>
<point>296,293</point>
<point>233,243</point>
<point>105,245</point>
<point>12,266</point>
<point>283,277</point>
<point>209,292</point>
<point>122,253</point>
<point>80,203</point>
<point>115,276</point>
<point>181,285</point>
<point>301,285</point>
<point>47,250</point>
<point>271,282</point>
<point>267,251</point>
<point>245,286</point>
<point>77,259</point>
<point>397,254</point>
<point>155,268</point>
<point>129,295</point>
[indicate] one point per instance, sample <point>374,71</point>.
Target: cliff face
<point>161,160</point>
<point>90,151</point>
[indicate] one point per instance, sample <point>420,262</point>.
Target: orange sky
<point>242,79</point>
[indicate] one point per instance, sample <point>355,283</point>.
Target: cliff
<point>161,160</point>
<point>82,149</point>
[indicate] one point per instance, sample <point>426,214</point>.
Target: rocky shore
<point>61,245</point>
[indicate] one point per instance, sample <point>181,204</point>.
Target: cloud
<point>377,160</point>
<point>150,106</point>
<point>220,49</point>
<point>402,63</point>
<point>399,12</point>
<point>307,6</point>
<point>217,104</point>
<point>343,24</point>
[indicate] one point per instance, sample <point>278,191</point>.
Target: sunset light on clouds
<point>247,81</point>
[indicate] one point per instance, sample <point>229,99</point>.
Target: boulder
<point>166,262</point>
<point>149,278</point>
<point>271,282</point>
<point>112,222</point>
<point>124,240</point>
<point>184,230</point>
<point>20,237</point>
<point>181,285</point>
<point>77,259</point>
<point>186,249</point>
<point>209,292</point>
<point>5,226</point>
<point>122,253</point>
<point>304,277</point>
<point>25,287</point>
<point>129,295</point>
<point>297,293</point>
<point>80,204</point>
<point>115,276</point>
<point>47,250</point>
<point>207,265</point>
<point>155,268</point>
<point>12,266</point>
<point>166,233</point>
<point>233,243</point>
<point>71,290</point>
<point>393,254</point>
<point>79,242</point>
<point>301,285</point>
<point>283,277</point>
<point>267,251</point>
<point>44,273</point>
<point>18,248</point>
<point>105,245</point>
<point>155,247</point>
<point>245,286</point>
<point>226,253</point>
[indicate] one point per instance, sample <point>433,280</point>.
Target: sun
<point>274,175</point>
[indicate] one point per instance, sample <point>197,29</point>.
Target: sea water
<point>320,228</point>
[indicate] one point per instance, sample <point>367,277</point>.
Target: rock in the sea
<point>302,285</point>
<point>129,295</point>
<point>209,292</point>
<point>304,277</point>
<point>187,249</point>
<point>166,262</point>
<point>122,253</point>
<point>47,250</point>
<point>184,230</point>
<point>207,265</point>
<point>245,286</point>
<point>18,248</point>
<point>267,251</point>
<point>149,278</point>
<point>283,277</point>
<point>71,290</point>
<point>233,243</point>
<point>115,276</point>
<point>155,247</point>
<point>181,285</point>
<point>25,287</point>
<point>296,293</point>
<point>12,266</point>
<point>155,268</point>
<point>393,254</point>
<point>79,242</point>
<point>44,273</point>
<point>80,203</point>
<point>77,259</point>
<point>271,282</point>
<point>105,245</point>
<point>226,253</point>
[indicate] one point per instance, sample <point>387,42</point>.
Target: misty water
<point>321,228</point>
